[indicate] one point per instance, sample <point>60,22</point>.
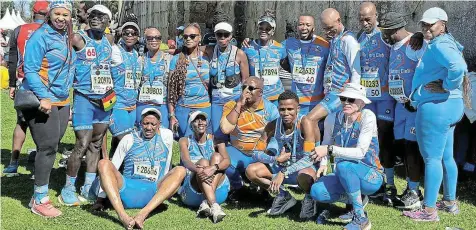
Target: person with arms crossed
<point>205,186</point>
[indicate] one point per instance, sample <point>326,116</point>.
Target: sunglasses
<point>151,38</point>
<point>265,28</point>
<point>99,16</point>
<point>250,88</point>
<point>129,33</point>
<point>191,36</point>
<point>222,34</point>
<point>346,99</point>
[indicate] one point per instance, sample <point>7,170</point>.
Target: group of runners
<point>356,101</point>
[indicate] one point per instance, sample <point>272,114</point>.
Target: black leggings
<point>413,161</point>
<point>385,139</point>
<point>46,131</point>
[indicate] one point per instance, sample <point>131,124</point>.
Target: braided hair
<point>176,80</point>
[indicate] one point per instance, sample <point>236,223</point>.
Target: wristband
<point>171,115</point>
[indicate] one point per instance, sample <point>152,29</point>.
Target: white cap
<point>151,110</point>
<point>356,91</point>
<point>133,24</point>
<point>194,115</point>
<point>223,26</point>
<point>433,15</point>
<point>181,28</point>
<point>101,8</point>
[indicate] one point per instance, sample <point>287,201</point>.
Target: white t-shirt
<point>351,50</point>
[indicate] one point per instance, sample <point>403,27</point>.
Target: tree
<point>4,5</point>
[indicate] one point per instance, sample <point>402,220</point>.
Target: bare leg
<point>317,114</point>
<point>83,138</point>
<point>306,178</point>
<point>166,188</point>
<point>19,135</point>
<point>94,148</point>
<point>259,174</point>
<point>111,182</point>
<point>104,145</point>
<point>209,190</point>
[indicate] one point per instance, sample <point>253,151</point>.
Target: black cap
<point>392,20</point>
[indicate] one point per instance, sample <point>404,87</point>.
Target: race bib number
<point>90,53</point>
<point>129,82</point>
<point>397,90</point>
<point>101,80</point>
<point>328,79</point>
<point>147,171</point>
<point>152,93</point>
<point>371,81</point>
<point>305,75</point>
<point>269,74</point>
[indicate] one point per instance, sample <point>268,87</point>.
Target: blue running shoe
<point>68,197</point>
<point>359,223</point>
<point>11,170</point>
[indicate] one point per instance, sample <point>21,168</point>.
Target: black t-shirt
<point>209,39</point>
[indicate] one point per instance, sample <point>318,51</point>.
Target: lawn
<point>16,193</point>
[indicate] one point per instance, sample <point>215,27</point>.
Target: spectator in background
<point>179,37</point>
<point>82,14</point>
<point>209,37</point>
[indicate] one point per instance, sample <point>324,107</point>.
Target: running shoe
<point>452,209</point>
<point>68,197</point>
<point>86,194</point>
<point>323,217</point>
<point>217,213</point>
<point>308,208</point>
<point>11,170</point>
<point>281,204</point>
<point>348,216</point>
<point>422,215</point>
<point>45,208</point>
<point>204,209</point>
<point>410,200</point>
<point>390,195</point>
<point>359,223</point>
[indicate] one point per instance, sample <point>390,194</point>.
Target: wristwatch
<point>284,170</point>
<point>330,149</point>
<point>217,167</point>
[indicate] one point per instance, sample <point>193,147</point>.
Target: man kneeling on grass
<point>146,181</point>
<point>295,137</point>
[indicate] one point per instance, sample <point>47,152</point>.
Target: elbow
<point>225,126</point>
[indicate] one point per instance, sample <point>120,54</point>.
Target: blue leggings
<point>435,125</point>
<point>183,113</point>
<point>350,180</point>
<point>238,164</point>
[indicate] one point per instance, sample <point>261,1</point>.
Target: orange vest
<point>24,34</point>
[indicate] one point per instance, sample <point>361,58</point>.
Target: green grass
<point>16,193</point>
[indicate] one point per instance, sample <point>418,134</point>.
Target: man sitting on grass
<point>146,181</point>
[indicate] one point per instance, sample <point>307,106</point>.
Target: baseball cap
<point>40,6</point>
<point>194,115</point>
<point>434,14</point>
<point>180,28</point>
<point>101,8</point>
<point>223,26</point>
<point>151,110</point>
<point>269,20</point>
<point>133,24</point>
<point>392,20</point>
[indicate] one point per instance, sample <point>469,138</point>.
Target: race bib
<point>328,79</point>
<point>397,90</point>
<point>90,53</point>
<point>129,82</point>
<point>269,74</point>
<point>305,75</point>
<point>101,80</point>
<point>371,81</point>
<point>152,93</point>
<point>145,170</point>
